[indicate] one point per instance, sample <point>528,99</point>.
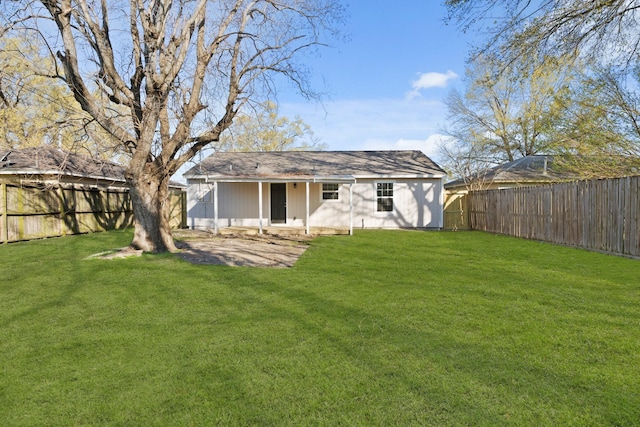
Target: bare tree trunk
<point>176,77</point>
<point>151,207</point>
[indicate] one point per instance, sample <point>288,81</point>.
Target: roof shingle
<point>47,159</point>
<point>309,164</point>
<point>528,169</point>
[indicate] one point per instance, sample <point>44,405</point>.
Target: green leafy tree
<point>505,113</point>
<point>267,131</point>
<point>601,133</point>
<point>166,78</point>
<point>35,109</point>
<point>597,134</point>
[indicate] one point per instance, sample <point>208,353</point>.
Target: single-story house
<point>333,189</point>
<point>51,166</point>
<point>48,165</point>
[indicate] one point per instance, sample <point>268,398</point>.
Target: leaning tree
<point>606,30</point>
<point>166,78</point>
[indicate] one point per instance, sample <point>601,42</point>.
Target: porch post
<point>307,197</point>
<point>215,207</point>
<point>442,197</point>
<point>260,207</point>
<point>351,209</point>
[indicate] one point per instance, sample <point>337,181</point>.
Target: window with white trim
<point>384,197</point>
<point>330,191</point>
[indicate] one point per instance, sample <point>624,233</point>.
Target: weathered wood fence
<point>456,216</point>
<point>36,212</point>
<point>602,215</point>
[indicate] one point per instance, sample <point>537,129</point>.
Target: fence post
<point>183,209</point>
<point>61,221</point>
<point>4,227</point>
<point>21,230</point>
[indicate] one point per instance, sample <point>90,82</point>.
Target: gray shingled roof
<point>50,160</point>
<point>316,164</point>
<point>529,169</point>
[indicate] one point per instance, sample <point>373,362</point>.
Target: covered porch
<point>271,202</point>
<point>284,231</point>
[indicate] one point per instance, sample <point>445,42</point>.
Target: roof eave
<point>401,176</point>
<point>59,173</point>
<point>308,178</point>
<point>277,179</point>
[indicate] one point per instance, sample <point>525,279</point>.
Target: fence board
<point>3,212</point>
<point>633,241</point>
<point>601,215</point>
<point>36,212</point>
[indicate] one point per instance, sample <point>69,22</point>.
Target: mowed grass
<point>381,328</point>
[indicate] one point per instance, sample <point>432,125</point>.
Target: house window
<point>329,191</point>
<point>384,196</point>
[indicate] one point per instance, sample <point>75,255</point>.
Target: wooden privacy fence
<point>456,215</point>
<point>35,212</point>
<point>602,215</point>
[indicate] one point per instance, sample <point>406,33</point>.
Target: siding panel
<point>417,203</point>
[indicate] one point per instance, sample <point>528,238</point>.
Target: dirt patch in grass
<point>200,247</point>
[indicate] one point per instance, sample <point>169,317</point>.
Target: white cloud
<point>430,80</point>
<point>429,145</point>
<point>374,124</point>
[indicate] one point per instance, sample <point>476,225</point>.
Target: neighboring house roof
<point>527,170</point>
<point>48,160</point>
<point>316,165</point>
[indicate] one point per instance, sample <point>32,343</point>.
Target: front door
<point>278,203</point>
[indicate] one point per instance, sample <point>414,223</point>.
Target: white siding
<point>417,203</point>
<point>329,213</point>
<point>296,204</point>
<point>237,202</point>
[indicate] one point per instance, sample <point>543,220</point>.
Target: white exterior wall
<point>237,202</point>
<point>417,203</point>
<point>296,204</point>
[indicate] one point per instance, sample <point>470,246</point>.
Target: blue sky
<point>385,84</point>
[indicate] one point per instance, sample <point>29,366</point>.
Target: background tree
<point>167,78</point>
<point>35,109</point>
<point>466,161</point>
<point>601,136</point>
<point>265,130</point>
<point>597,134</point>
<point>505,113</point>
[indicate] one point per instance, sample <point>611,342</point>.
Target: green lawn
<point>382,328</point>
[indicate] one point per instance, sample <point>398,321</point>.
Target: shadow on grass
<point>440,373</point>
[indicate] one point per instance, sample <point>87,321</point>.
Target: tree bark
<point>170,89</point>
<point>151,208</point>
